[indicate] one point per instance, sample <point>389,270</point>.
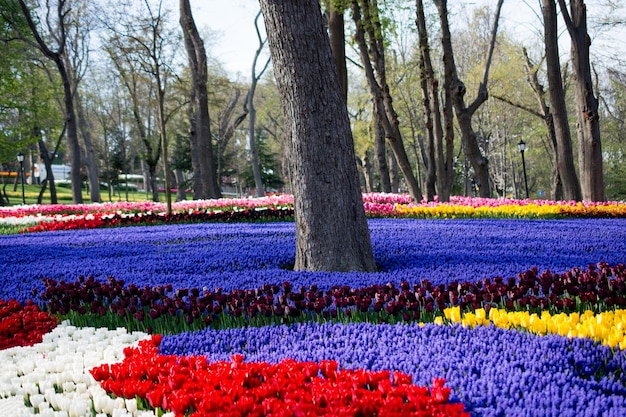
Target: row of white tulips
<point>52,379</point>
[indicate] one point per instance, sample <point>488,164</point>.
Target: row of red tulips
<point>23,325</point>
<point>97,220</point>
<point>189,386</point>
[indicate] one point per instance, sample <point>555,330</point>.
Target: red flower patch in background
<point>23,325</point>
<point>190,386</point>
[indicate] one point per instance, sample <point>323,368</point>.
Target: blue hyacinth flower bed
<point>494,372</point>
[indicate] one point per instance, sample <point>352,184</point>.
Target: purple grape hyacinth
<point>495,372</point>
<point>247,256</point>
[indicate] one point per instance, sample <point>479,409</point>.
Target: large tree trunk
<point>564,154</point>
<point>201,127</point>
<point>588,128</point>
<point>331,227</point>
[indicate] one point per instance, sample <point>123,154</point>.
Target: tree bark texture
<point>564,154</point>
<point>588,127</point>
<point>196,55</point>
<point>331,228</point>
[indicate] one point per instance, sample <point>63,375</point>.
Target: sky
<point>232,39</point>
<point>228,29</point>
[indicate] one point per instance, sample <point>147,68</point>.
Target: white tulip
<point>36,400</point>
<point>131,405</point>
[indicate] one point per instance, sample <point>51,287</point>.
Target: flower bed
<point>248,256</point>
<point>23,325</point>
<point>191,386</point>
<point>66,217</point>
<point>538,275</point>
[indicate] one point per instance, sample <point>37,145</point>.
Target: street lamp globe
<point>20,157</point>
<point>521,145</point>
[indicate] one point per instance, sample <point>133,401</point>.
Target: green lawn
<point>64,195</point>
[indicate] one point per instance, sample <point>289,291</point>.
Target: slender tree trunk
<point>196,55</point>
<point>68,97</point>
<point>426,78</point>
<point>181,194</point>
<point>464,113</point>
<point>381,154</point>
<point>439,170</point>
<point>90,160</point>
<point>368,172</point>
<point>72,135</point>
<point>331,227</point>
<point>254,154</point>
<point>394,174</point>
<point>372,53</point>
<point>564,154</point>
<point>588,127</point>
<point>336,35</point>
<point>195,159</point>
<point>556,187</point>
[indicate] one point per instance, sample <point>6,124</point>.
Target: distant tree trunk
<point>564,154</point>
<point>198,191</point>
<point>449,75</point>
<point>90,161</point>
<point>365,171</point>
<point>441,168</point>
<point>588,128</point>
<point>196,55</point>
<point>464,113</point>
<point>372,52</point>
<point>544,113</point>
<point>381,154</point>
<point>336,34</point>
<point>254,154</point>
<point>181,194</point>
<point>427,83</point>
<point>394,172</point>
<point>227,128</point>
<point>331,227</point>
<point>47,161</point>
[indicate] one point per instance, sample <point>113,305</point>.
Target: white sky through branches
<point>232,39</point>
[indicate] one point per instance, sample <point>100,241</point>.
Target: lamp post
<point>20,159</point>
<point>522,147</point>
